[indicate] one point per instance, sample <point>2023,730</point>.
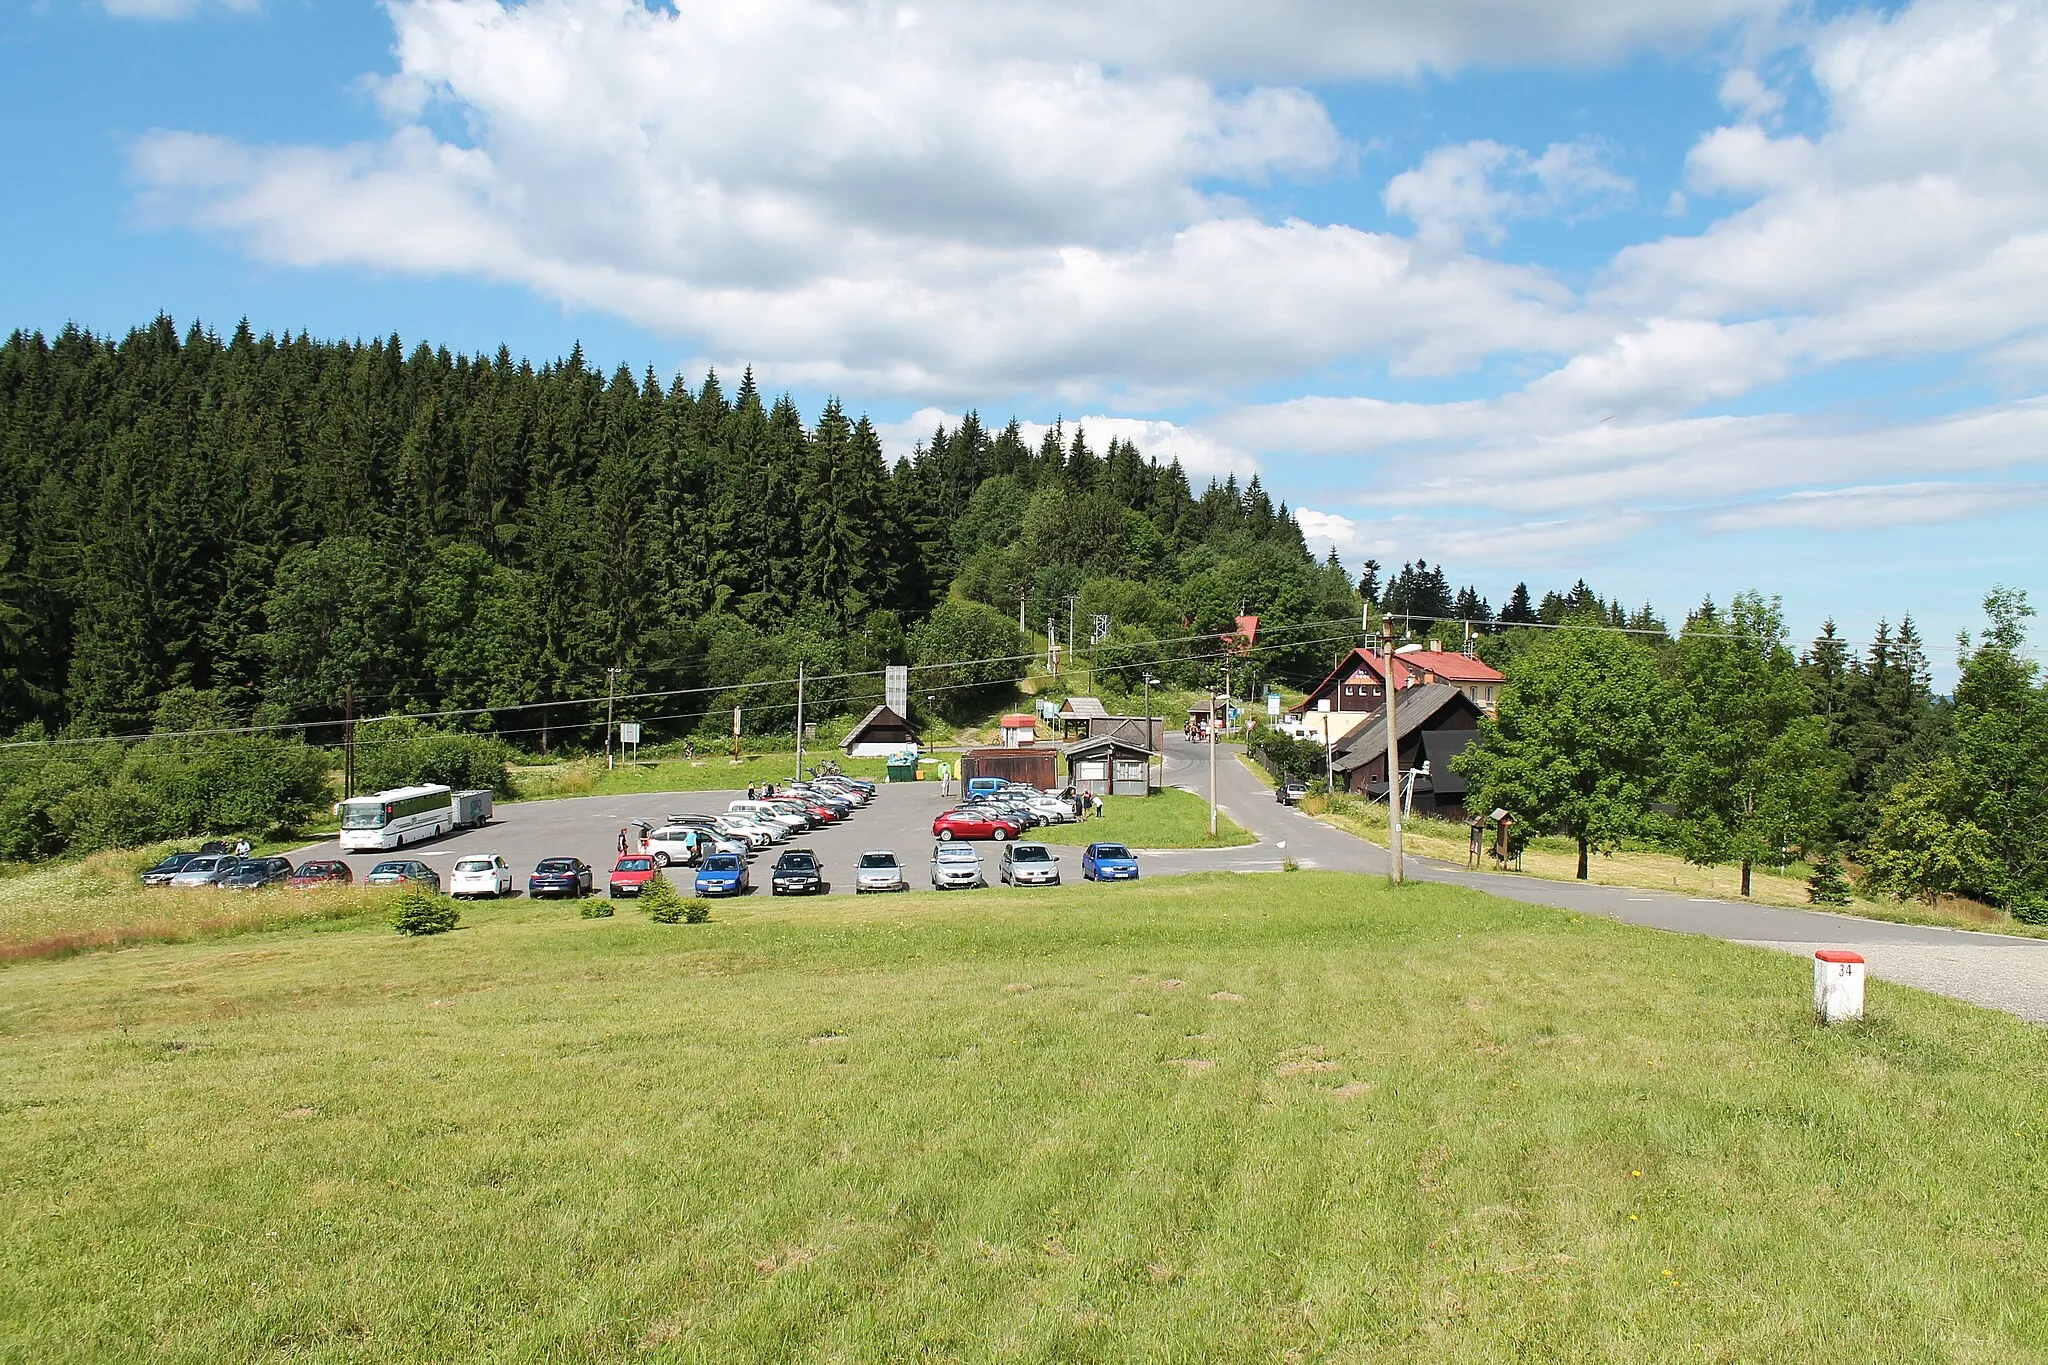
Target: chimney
<point>1436,646</point>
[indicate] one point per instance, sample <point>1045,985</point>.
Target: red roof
<point>1440,665</point>
<point>1020,721</point>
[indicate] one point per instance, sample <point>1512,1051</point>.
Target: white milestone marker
<point>1837,985</point>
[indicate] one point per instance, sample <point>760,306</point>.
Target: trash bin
<point>903,770</point>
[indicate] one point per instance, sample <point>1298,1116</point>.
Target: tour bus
<point>394,819</point>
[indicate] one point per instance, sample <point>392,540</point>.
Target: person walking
<point>622,841</point>
<point>242,847</point>
<point>753,791</point>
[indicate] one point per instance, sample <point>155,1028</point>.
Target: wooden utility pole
<point>611,692</point>
<point>1394,866</point>
<point>799,720</point>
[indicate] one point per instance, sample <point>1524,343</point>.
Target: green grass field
<point>1169,818</point>
<point>1281,1118</point>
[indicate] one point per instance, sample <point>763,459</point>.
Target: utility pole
<point>1072,598</point>
<point>1395,870</point>
<point>1020,613</point>
<point>799,720</point>
<point>1212,762</point>
<point>611,691</point>
<point>1149,680</point>
<point>348,740</point>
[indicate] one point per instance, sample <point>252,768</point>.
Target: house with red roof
<point>1357,686</point>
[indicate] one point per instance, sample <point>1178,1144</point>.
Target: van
<point>986,786</point>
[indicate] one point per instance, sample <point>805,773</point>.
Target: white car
<point>1030,865</point>
<point>480,874</point>
<point>879,871</point>
<point>687,844</point>
<point>1051,808</point>
<point>767,814</point>
<point>754,832</point>
<point>956,864</point>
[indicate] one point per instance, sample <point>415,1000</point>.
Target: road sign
<point>629,732</point>
<point>1273,704</point>
<point>896,689</point>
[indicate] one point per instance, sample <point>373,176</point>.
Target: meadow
<point>1289,1117</point>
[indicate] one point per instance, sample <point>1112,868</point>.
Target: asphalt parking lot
<point>898,819</point>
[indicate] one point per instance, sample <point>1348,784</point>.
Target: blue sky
<point>1685,297</point>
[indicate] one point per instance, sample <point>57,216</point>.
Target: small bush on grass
<point>696,910</point>
<point>660,899</point>
<point>592,908</point>
<point>420,911</point>
<point>1828,885</point>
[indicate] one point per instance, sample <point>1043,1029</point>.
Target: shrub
<point>1828,885</point>
<point>696,910</point>
<point>2031,910</point>
<point>595,909</point>
<point>420,911</point>
<point>660,899</point>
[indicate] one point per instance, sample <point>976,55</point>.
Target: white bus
<point>394,819</point>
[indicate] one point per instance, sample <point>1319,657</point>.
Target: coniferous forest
<point>201,533</point>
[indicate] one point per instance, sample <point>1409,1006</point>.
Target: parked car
<point>767,814</point>
<point>171,866</point>
<point>1109,863</point>
<point>955,866</point>
<point>687,845</point>
<point>205,870</point>
<point>967,823</point>
<point>723,874</point>
<point>1029,865</point>
<point>400,871</point>
<point>798,873</point>
<point>481,874</point>
<point>324,872</point>
<point>879,871</point>
<point>252,874</point>
<point>1052,809</point>
<point>630,875</point>
<point>570,877</point>
<point>1288,793</point>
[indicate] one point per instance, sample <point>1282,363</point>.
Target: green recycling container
<point>903,771</point>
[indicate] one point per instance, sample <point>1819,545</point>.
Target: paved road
<point>2009,974</point>
<point>899,819</point>
<point>1994,970</point>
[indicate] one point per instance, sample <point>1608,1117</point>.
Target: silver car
<point>206,870</point>
<point>956,864</point>
<point>1030,865</point>
<point>879,871</point>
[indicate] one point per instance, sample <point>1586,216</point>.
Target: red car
<point>956,824</point>
<point>631,876</point>
<point>332,872</point>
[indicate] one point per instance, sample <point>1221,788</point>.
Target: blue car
<point>723,874</point>
<point>1109,863</point>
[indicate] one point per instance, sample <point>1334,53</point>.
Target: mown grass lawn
<point>1269,1118</point>
<point>1169,818</point>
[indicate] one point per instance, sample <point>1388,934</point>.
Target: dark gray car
<point>253,873</point>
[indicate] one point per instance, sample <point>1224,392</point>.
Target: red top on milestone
<point>1838,955</point>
